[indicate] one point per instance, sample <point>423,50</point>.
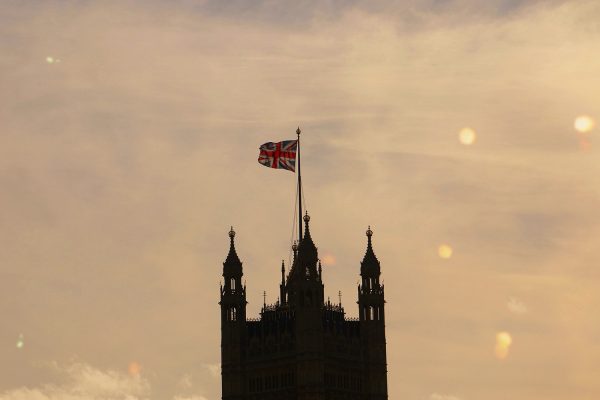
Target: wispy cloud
<point>123,165</point>
<point>85,382</point>
<point>214,369</point>
<point>516,306</point>
<point>189,398</point>
<point>437,396</point>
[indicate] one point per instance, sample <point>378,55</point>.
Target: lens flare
<point>52,60</point>
<point>134,369</point>
<point>584,123</point>
<point>584,144</point>
<point>445,251</point>
<point>503,342</point>
<point>20,342</point>
<point>467,136</point>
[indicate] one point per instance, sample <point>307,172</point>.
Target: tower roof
<point>232,264</point>
<point>370,263</point>
<point>307,251</point>
<point>305,261</point>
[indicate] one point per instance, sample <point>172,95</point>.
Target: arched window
<point>372,313</point>
<point>232,283</point>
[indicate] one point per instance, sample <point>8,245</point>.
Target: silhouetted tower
<point>304,291</point>
<point>371,304</point>
<point>233,325</point>
<point>302,348</point>
<point>304,288</point>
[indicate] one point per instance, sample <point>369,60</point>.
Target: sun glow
<point>134,369</point>
<point>328,260</point>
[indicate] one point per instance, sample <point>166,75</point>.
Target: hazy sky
<point>129,133</point>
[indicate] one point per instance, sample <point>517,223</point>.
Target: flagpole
<point>299,190</point>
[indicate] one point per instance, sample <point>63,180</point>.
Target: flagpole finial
<point>298,131</point>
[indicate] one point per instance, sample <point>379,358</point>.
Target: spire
<point>282,286</point>
<point>307,250</point>
<point>232,264</point>
<point>306,257</point>
<point>370,263</point>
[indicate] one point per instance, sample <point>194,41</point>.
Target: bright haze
<point>463,132</point>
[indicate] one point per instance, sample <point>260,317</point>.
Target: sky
<point>129,134</point>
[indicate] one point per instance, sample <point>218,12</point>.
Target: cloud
<point>189,398</point>
<point>516,306</point>
<point>85,382</point>
<point>214,369</point>
<point>123,166</point>
<point>437,396</point>
<point>185,382</point>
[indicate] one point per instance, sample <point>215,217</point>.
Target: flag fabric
<point>281,155</point>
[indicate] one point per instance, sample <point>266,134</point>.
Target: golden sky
<point>464,132</point>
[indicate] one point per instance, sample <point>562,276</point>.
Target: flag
<point>281,155</point>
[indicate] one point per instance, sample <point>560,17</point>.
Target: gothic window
<point>232,314</point>
<point>232,282</point>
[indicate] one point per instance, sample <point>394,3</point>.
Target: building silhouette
<point>302,347</point>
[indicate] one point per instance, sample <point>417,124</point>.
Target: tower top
<point>370,264</point>
<point>307,247</point>
<point>305,256</point>
<point>232,264</point>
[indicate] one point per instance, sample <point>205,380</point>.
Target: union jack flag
<point>281,155</point>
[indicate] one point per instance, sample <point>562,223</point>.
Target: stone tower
<point>302,347</point>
